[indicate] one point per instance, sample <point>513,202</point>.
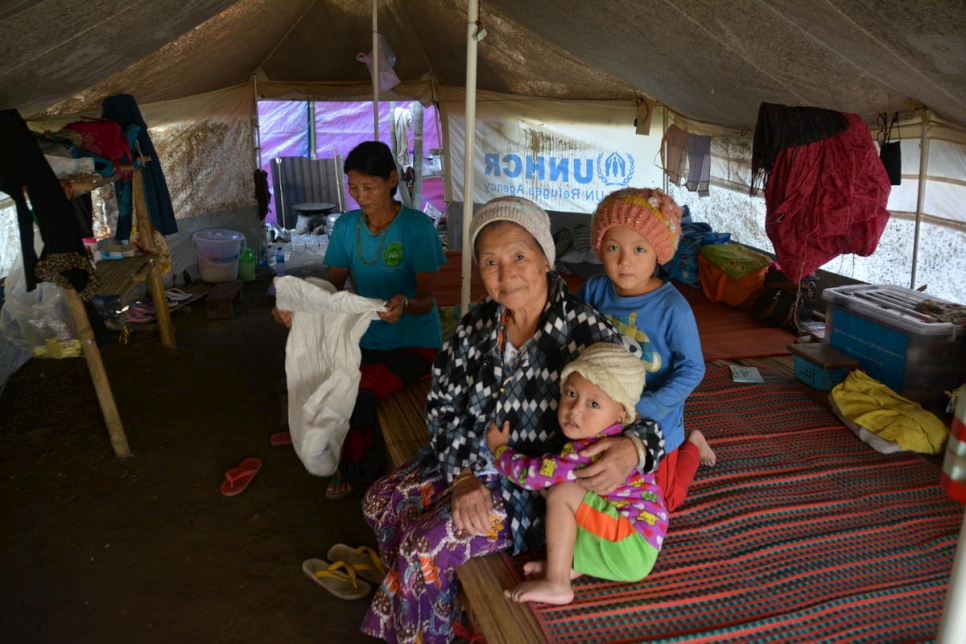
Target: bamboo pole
<point>99,377</point>
<point>155,282</point>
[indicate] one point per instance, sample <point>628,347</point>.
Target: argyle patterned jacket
<point>471,388</point>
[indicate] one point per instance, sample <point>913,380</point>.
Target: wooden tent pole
<point>94,364</point>
<point>155,282</point>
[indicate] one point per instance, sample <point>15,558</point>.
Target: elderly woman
<point>392,253</point>
<point>501,364</point>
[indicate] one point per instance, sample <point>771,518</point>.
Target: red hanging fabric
<point>825,199</point>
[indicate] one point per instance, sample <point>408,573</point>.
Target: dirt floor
<point>94,548</point>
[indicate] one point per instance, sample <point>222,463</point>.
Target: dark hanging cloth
<point>825,199</point>
<point>23,168</point>
<point>780,127</point>
<point>123,109</point>
<point>262,196</point>
<point>84,213</point>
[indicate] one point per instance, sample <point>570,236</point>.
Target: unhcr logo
<point>571,178</point>
<point>616,169</point>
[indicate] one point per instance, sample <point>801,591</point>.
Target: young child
<point>634,230</point>
<point>616,537</point>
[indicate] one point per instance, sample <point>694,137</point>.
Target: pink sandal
<point>238,478</point>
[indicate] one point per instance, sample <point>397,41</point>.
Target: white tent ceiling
<point>714,61</point>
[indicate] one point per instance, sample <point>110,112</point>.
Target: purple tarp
<point>339,127</point>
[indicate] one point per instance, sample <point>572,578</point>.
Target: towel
<point>865,402</point>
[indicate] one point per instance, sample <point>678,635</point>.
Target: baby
<point>616,537</point>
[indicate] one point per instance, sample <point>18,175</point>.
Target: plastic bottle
<point>246,265</point>
<point>280,261</point>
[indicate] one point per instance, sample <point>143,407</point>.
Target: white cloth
<point>402,123</point>
<point>322,358</point>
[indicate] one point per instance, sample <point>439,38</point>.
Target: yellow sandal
<point>343,585</point>
<point>364,559</point>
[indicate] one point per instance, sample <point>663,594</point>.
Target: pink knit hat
<point>650,212</point>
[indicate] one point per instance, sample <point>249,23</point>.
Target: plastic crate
<point>910,352</point>
<point>818,377</point>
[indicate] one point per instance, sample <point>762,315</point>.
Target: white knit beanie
<point>520,211</point>
<point>617,372</point>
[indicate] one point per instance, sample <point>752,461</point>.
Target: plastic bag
<point>387,77</point>
<point>11,359</point>
<point>38,321</point>
<point>322,358</point>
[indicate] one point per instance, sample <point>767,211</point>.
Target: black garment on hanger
<point>23,169</point>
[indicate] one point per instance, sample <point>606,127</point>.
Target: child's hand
<point>495,437</point>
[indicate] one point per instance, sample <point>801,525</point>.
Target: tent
<point>196,69</point>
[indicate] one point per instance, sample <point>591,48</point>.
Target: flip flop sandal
<point>344,585</point>
<point>140,314</point>
<point>282,438</point>
<point>238,478</point>
<point>176,295</point>
<point>364,559</point>
<point>336,481</point>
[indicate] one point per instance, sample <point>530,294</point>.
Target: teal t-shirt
<point>380,268</point>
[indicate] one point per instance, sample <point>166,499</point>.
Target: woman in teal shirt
<point>391,253</point>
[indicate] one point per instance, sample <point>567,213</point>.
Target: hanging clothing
<point>262,194</point>
<point>699,163</point>
<point>25,173</point>
<point>825,199</point>
<point>672,153</point>
<point>123,109</point>
<point>780,127</point>
<point>322,358</point>
<point>23,169</point>
<point>402,123</point>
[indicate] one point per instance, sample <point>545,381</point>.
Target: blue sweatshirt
<point>662,323</point>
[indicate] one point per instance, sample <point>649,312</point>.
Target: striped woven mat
<point>728,333</point>
<point>800,533</point>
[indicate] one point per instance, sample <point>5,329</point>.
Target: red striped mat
<point>728,333</point>
<point>801,533</point>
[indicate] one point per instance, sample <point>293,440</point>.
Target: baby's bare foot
<point>541,590</point>
<point>537,568</point>
<point>708,457</point>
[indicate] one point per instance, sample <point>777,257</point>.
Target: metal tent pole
<point>472,34</point>
<point>375,70</point>
<point>921,196</point>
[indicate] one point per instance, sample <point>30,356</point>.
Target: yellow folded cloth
<point>870,404</point>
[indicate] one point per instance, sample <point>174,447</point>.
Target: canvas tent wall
<point>711,62</point>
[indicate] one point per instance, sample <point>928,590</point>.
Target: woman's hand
<point>618,458</point>
<point>283,317</point>
<point>395,307</point>
<point>496,437</point>
<point>471,502</point>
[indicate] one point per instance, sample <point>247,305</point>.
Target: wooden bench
<point>402,420</point>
